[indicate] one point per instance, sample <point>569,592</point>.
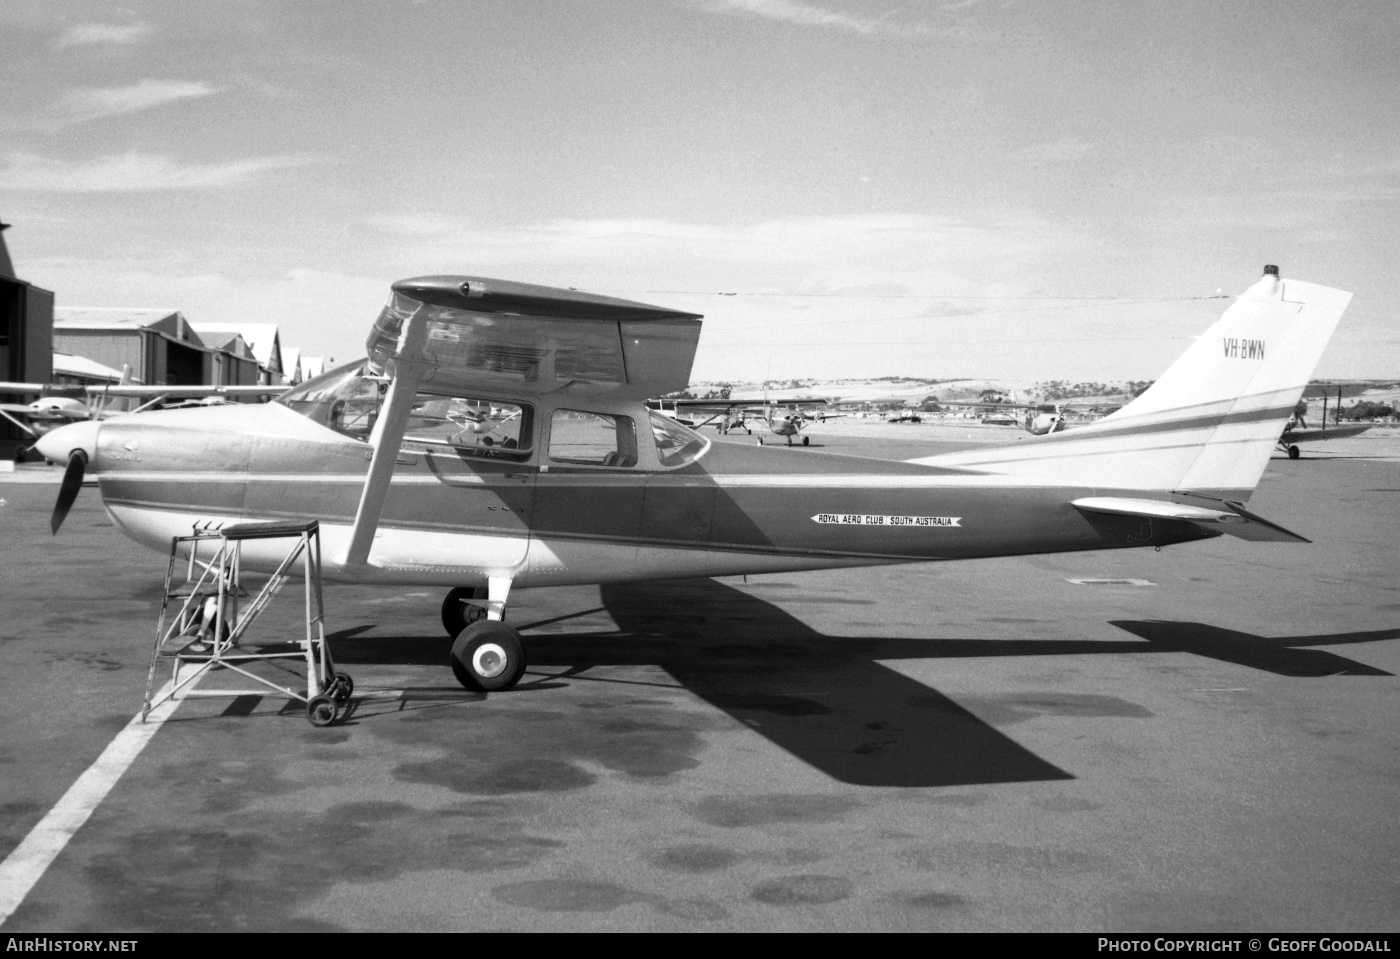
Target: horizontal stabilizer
<point>1233,519</point>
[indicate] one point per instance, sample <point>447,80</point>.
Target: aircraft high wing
<point>1038,419</point>
<point>785,418</point>
<point>581,483</point>
<point>1293,435</point>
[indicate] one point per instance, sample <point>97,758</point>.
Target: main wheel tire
<point>457,615</point>
<point>806,441</point>
<point>488,657</point>
<point>1293,452</point>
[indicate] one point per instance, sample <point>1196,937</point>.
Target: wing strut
<point>19,424</point>
<point>407,369</point>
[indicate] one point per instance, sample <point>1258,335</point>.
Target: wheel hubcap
<point>489,660</point>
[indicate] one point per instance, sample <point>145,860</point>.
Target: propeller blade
<point>68,490</point>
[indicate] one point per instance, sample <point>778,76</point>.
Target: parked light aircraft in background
<point>1295,433</point>
<point>60,405</point>
<point>57,405</point>
<point>785,418</point>
<point>594,487</point>
<point>1297,430</point>
<point>45,413</point>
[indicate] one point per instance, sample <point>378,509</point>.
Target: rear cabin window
<point>471,425</point>
<point>593,439</point>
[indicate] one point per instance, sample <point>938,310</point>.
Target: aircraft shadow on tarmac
<point>1283,657</point>
<point>828,700</point>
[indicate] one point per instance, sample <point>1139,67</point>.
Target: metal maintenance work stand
<point>205,636</point>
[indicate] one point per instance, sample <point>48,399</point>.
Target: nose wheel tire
<point>488,657</point>
<point>457,615</point>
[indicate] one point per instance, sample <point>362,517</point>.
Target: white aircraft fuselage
<point>564,479</point>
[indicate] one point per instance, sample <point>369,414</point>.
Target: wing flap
<point>1233,519</point>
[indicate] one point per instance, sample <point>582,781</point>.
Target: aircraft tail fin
<point>1210,423</point>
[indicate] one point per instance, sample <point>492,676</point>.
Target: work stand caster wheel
<point>488,657</point>
<point>340,688</point>
<point>322,710</point>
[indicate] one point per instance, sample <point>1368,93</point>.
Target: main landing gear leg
<point>488,656</point>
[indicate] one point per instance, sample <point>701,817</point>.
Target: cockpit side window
<point>593,439</point>
<point>471,425</point>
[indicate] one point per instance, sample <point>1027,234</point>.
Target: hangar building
<point>263,339</point>
<point>26,336</point>
<point>26,325</point>
<point>158,345</point>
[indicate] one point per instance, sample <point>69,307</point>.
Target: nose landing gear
<point>488,657</point>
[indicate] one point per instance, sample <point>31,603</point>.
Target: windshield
<point>345,399</point>
<point>676,445</point>
<point>348,400</point>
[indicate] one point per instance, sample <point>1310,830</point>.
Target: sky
<point>1037,190</point>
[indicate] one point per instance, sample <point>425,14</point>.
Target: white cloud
<point>826,291</point>
<point>807,253</point>
<point>87,34</point>
<point>811,15</point>
<point>78,106</point>
<point>132,172</point>
<point>845,295</point>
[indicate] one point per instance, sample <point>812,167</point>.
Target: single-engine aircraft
<point>1298,432</point>
<point>45,413</point>
<point>785,418</point>
<point>582,483</point>
<point>60,405</point>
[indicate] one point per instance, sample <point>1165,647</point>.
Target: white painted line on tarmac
<point>31,858</point>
